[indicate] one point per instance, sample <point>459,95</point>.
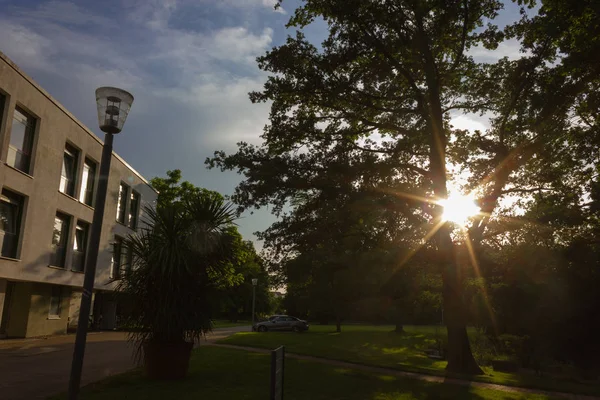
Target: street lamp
<point>254,283</point>
<point>113,106</point>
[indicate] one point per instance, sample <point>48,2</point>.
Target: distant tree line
<point>233,300</point>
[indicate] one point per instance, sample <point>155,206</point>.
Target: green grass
<point>217,373</point>
<point>380,346</point>
<point>223,323</point>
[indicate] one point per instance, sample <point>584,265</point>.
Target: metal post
<point>90,269</point>
<point>253,303</point>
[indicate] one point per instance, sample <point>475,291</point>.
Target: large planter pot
<point>167,361</point>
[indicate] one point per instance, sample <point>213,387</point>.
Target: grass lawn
<point>380,346</point>
<point>217,373</point>
<point>223,323</point>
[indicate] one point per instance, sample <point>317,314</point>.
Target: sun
<point>459,209</point>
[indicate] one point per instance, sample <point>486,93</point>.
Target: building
<point>49,165</point>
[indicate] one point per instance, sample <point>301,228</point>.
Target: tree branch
<point>357,147</point>
<point>461,48</point>
<point>515,190</point>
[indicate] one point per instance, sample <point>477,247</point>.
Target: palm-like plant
<point>177,258</point>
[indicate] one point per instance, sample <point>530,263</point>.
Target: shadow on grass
<point>218,373</point>
<point>380,346</point>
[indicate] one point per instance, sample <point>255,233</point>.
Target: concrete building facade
<point>49,165</point>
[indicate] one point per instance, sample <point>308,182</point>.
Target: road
<point>37,368</point>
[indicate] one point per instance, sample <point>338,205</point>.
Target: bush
<point>483,349</point>
<point>519,348</point>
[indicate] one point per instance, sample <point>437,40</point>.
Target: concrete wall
<point>55,126</point>
<point>39,322</point>
<point>19,310</point>
<point>74,303</point>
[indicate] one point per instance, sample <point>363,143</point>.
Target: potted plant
<point>180,255</point>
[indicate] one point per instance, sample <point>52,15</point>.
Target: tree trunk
<point>459,355</point>
<point>399,327</point>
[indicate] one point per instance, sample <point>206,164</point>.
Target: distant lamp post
<point>113,106</point>
<point>254,283</point>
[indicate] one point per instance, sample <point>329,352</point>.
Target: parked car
<point>281,323</point>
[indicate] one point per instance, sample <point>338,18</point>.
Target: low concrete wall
<point>39,322</point>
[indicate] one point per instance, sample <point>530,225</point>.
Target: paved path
<point>412,375</point>
<point>33,369</point>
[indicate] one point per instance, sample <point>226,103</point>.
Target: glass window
<point>55,301</point>
<point>88,179</point>
<point>2,104</point>
<point>125,259</point>
<point>11,210</point>
<point>133,209</point>
<point>122,203</point>
<point>117,258</point>
<point>21,140</point>
<point>60,238</point>
<point>69,171</point>
<point>80,245</point>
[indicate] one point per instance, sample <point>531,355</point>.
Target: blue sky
<point>189,64</point>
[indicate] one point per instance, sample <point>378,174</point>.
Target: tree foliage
<point>367,113</point>
<point>233,295</point>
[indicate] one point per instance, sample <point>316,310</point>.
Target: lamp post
<point>254,283</point>
<point>113,106</point>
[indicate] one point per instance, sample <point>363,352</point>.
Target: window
<point>80,246</point>
<point>2,104</point>
<point>121,259</point>
<point>126,258</point>
<point>115,271</point>
<point>21,141</point>
<point>122,203</point>
<point>133,209</point>
<point>68,175</point>
<point>11,211</point>
<point>55,301</point>
<point>86,194</point>
<point>60,238</point>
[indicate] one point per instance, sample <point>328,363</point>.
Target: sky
<point>189,64</point>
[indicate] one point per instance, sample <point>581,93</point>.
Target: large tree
<point>371,107</point>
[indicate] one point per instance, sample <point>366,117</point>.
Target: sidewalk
<point>33,369</point>
<point>412,375</point>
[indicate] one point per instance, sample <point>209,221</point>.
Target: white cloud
<point>272,4</point>
<point>509,48</point>
<point>468,123</point>
<point>64,12</point>
<point>193,53</point>
<point>237,44</point>
<point>254,3</point>
<point>27,47</point>
<point>154,14</point>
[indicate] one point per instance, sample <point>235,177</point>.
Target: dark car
<point>281,323</point>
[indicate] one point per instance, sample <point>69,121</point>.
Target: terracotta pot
<point>167,361</point>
